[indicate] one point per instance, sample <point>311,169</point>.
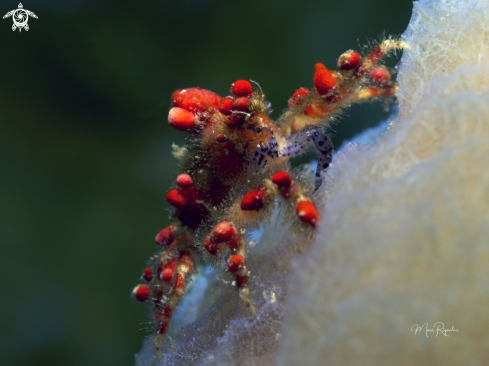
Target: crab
<point>235,167</point>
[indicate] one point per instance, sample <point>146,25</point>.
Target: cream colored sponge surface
<point>404,236</point>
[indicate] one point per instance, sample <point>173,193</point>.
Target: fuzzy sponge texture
<point>403,237</point>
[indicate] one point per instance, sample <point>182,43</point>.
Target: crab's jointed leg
<point>298,144</point>
<point>175,273</point>
<point>225,234</point>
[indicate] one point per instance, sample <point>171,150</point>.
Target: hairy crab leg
<point>379,52</point>
<point>182,267</point>
<point>226,234</point>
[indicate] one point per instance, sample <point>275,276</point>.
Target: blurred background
<point>85,149</point>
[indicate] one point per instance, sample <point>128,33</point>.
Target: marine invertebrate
<point>235,171</point>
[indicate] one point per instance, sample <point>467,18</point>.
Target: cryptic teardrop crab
<point>235,165</point>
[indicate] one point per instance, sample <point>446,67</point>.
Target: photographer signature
<point>438,328</point>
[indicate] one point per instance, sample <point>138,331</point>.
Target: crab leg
<point>299,144</point>
<point>226,234</point>
<point>178,271</point>
<point>379,52</point>
<point>237,266</point>
<point>261,155</point>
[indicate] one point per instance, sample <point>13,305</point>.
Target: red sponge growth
<point>188,191</point>
<point>349,60</point>
<point>166,273</point>
<point>226,105</point>
<point>235,263</point>
<point>176,198</point>
<point>148,274</point>
<point>307,212</point>
<point>282,179</point>
<point>380,75</point>
<point>166,236</point>
<point>181,119</point>
<point>323,79</point>
<point>141,292</point>
<point>192,195</point>
<point>196,99</point>
<point>253,200</point>
<point>242,104</point>
<point>298,96</point>
<point>184,181</point>
<point>223,232</point>
<point>234,241</point>
<point>241,88</point>
<point>211,247</point>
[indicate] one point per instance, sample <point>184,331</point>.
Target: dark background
<point>85,149</point>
